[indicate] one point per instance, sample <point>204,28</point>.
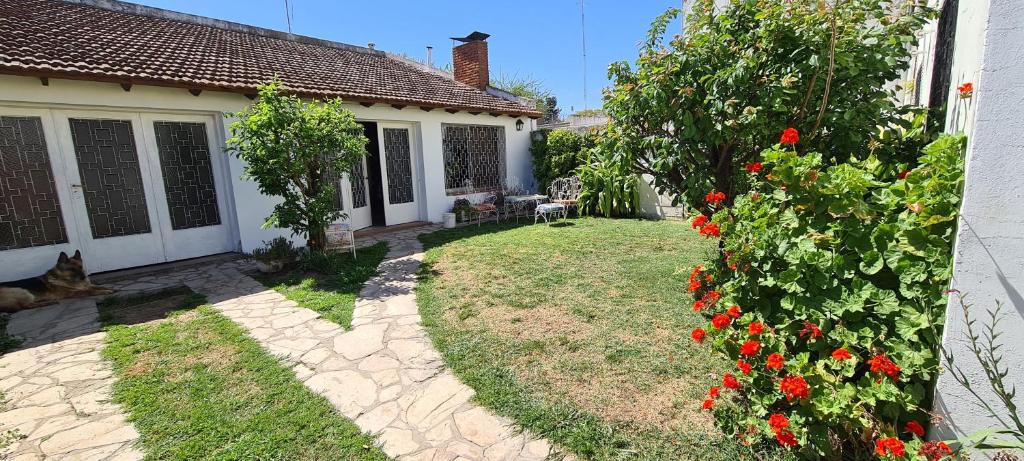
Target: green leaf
<point>871,262</point>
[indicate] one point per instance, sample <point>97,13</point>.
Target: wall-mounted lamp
<point>519,125</point>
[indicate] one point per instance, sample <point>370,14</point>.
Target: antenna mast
<point>288,12</point>
<point>583,32</point>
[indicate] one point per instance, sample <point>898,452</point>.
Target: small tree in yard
<point>699,108</point>
<point>295,150</point>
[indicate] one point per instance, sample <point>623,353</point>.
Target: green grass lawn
<point>332,292</point>
<point>197,387</point>
<point>579,332</point>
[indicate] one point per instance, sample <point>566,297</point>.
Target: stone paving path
<point>58,389</point>
<point>384,374</point>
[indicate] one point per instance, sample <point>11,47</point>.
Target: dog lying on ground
<point>66,280</point>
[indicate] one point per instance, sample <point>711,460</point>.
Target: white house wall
<point>989,253</point>
<point>249,207</point>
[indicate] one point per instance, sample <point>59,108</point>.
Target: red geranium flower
<point>720,321</point>
<point>841,354</point>
<point>734,312</point>
<point>810,330</point>
<point>914,427</point>
<point>712,296</point>
<point>729,381</point>
<point>698,334</point>
<point>754,167</point>
<point>794,387</point>
<point>744,366</point>
<point>778,422</point>
<point>714,198</point>
<point>711,230</point>
<point>903,174</point>
<point>934,451</point>
<point>713,392</point>
<point>966,90</point>
<point>751,347</point>
<point>882,364</point>
<point>789,136</point>
<point>694,285</point>
<point>698,305</point>
<point>699,221</point>
<point>890,446</point>
<point>755,328</point>
<point>776,361</point>
<point>786,438</point>
<point>708,403</point>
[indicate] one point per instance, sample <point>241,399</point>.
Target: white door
<point>188,175</point>
<point>398,172</point>
<point>37,221</point>
<point>112,195</point>
<point>357,196</point>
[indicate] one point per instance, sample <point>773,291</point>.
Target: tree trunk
<point>723,176</point>
<point>317,239</point>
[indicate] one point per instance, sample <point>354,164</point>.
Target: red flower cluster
<point>841,354</point>
<point>903,174</point>
<point>698,334</point>
<point>795,387</point>
<point>789,136</point>
<point>890,446</point>
<point>751,347</point>
<point>776,361</point>
<point>720,321</point>
<point>755,328</point>
<point>734,312</point>
<point>697,276</point>
<point>754,167</point>
<point>744,366</point>
<point>708,404</point>
<point>730,381</point>
<point>914,427</point>
<point>810,331</point>
<point>699,221</point>
<point>711,230</point>
<point>779,424</point>
<point>715,198</point>
<point>966,90</point>
<point>882,364</point>
<point>698,305</point>
<point>934,451</point>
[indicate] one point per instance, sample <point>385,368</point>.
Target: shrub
<point>279,249</point>
<point>609,186</point>
<point>698,106</point>
<point>557,154</point>
<point>830,294</point>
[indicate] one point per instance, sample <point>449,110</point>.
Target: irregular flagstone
<point>384,374</point>
<point>58,389</point>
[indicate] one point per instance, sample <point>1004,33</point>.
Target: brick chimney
<point>470,60</point>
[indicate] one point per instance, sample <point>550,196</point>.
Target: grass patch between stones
<point>197,387</point>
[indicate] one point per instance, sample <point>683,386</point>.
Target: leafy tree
<point>696,109</point>
<point>294,150</point>
<point>530,88</point>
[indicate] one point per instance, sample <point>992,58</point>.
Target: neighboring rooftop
<point>112,41</point>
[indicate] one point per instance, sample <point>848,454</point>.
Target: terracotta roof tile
<point>77,40</point>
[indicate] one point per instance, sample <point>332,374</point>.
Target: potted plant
<point>275,255</point>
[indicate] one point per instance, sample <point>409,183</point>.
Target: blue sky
<point>540,39</point>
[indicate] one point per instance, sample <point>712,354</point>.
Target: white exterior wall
<point>989,252</point>
<point>248,208</point>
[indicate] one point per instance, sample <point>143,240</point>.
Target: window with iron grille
<point>474,158</point>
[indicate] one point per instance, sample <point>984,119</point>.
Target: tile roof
<point>126,43</point>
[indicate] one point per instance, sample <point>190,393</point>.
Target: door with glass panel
<point>36,220</point>
<point>358,185</point>
<point>398,172</point>
<point>114,201</point>
<point>187,169</point>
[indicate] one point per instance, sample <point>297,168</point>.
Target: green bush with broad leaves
<point>609,186</point>
<point>830,293</point>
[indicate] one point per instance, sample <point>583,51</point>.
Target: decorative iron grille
<point>358,179</point>
<point>108,164</point>
<point>30,213</point>
<point>399,165</point>
<point>474,158</point>
<point>188,174</point>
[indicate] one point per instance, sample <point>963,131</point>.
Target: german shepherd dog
<point>67,279</point>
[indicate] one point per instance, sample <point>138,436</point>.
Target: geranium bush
<point>829,294</point>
